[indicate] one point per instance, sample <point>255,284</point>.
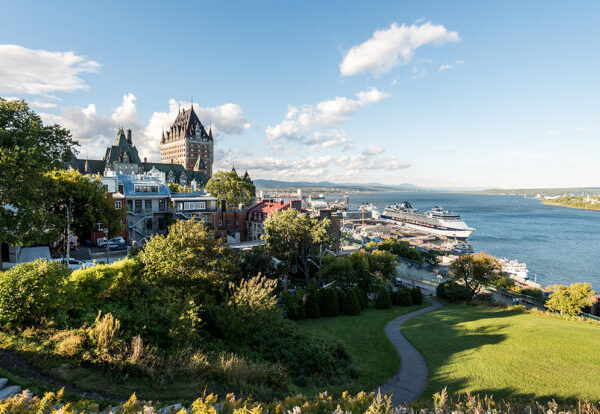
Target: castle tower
<point>187,143</point>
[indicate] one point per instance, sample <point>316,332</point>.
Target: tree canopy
<point>86,197</point>
<point>294,237</point>
<point>570,300</point>
<point>475,270</point>
<point>28,150</point>
<point>229,186</point>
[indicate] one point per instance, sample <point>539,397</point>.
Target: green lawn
<point>522,356</point>
<point>373,356</point>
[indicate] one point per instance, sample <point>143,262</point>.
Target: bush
<point>328,301</point>
<point>312,300</point>
<point>293,304</point>
<point>362,298</point>
<point>485,299</point>
<point>32,291</point>
<point>416,295</point>
<point>453,292</point>
<point>382,300</point>
<point>534,293</point>
<point>404,296</point>
<point>350,303</point>
<point>93,283</point>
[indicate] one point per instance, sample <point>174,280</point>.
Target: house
<point>197,204</point>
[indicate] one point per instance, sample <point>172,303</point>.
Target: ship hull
<point>460,234</point>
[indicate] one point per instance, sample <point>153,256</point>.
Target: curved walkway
<point>410,381</point>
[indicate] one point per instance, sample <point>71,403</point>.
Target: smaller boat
<point>514,268</point>
<point>462,248</point>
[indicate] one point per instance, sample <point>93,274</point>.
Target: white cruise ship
<point>437,221</point>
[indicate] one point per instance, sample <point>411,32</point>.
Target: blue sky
<point>438,94</point>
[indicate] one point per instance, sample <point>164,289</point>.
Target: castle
<point>186,153</point>
<point>187,143</point>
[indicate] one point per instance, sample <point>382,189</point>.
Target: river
<point>559,245</point>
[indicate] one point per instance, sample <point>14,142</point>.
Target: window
<point>138,206</point>
<point>237,222</point>
<point>118,204</point>
<point>227,222</point>
<point>162,205</point>
<point>149,224</point>
<point>148,204</point>
<point>220,223</point>
<point>121,188</point>
<point>194,205</point>
<point>161,223</point>
<point>145,188</point>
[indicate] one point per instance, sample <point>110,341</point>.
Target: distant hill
<point>545,191</point>
<point>327,184</point>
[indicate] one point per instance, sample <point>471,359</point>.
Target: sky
<point>438,94</point>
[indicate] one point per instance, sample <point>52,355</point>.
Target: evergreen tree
<point>312,300</point>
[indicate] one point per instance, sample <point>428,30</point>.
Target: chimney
<point>296,204</point>
<point>129,136</point>
<point>145,160</point>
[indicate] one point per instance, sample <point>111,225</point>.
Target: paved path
<point>410,381</point>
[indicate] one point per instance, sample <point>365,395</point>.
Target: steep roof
<point>269,207</point>
<point>190,123</point>
<point>122,146</point>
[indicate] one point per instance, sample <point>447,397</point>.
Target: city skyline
<point>435,95</point>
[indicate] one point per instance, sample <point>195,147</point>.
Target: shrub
<point>252,305</point>
<point>328,301</point>
<point>404,296</point>
<point>92,283</point>
<point>453,292</point>
<point>518,308</point>
<point>361,296</point>
<point>350,303</point>
<point>312,300</point>
<point>416,295</point>
<point>32,291</point>
<point>69,343</point>
<point>382,300</point>
<point>104,335</point>
<point>485,299</point>
<point>534,293</point>
<point>293,304</point>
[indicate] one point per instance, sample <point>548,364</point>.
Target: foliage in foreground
<point>367,403</point>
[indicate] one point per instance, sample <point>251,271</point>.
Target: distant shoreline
<point>567,204</point>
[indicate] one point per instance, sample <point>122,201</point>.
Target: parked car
<point>117,240</point>
<point>398,282</point>
<point>101,242</point>
<point>72,264</point>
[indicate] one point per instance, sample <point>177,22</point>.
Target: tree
<point>229,186</point>
<point>338,269</point>
<point>188,259</point>
<point>176,188</point>
<point>570,301</point>
<point>362,271</point>
<point>400,248</point>
<point>28,150</point>
<point>383,262</point>
<point>86,197</point>
<point>296,238</point>
<point>475,270</point>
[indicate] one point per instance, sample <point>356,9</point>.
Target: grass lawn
<point>373,355</point>
<point>507,354</point>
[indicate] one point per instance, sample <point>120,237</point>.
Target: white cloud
<point>95,131</point>
<point>328,140</point>
<point>42,104</point>
<point>582,129</point>
<point>393,46</point>
<point>299,121</point>
<point>552,132</point>
<point>40,72</point>
<point>370,162</point>
<point>448,66</point>
<point>373,150</point>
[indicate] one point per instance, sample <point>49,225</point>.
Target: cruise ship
<point>437,221</point>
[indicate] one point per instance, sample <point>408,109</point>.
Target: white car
<point>72,264</point>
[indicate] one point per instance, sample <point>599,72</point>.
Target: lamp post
<point>106,235</point>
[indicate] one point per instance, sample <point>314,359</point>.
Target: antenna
<point>192,102</point>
